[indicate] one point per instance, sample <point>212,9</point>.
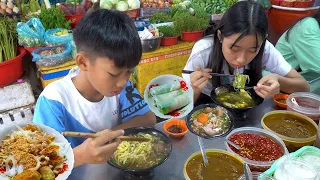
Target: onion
<point>15,9</point>
<point>3,5</point>
<point>37,166</point>
<point>10,171</point>
<point>10,5</point>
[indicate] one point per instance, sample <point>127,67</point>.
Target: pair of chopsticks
<point>212,74</point>
<point>94,135</point>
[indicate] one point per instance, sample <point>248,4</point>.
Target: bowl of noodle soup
<point>140,158</point>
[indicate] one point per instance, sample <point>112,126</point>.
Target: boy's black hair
<point>246,18</point>
<point>111,34</point>
<point>316,16</point>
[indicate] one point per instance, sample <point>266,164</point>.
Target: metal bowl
<point>149,45</point>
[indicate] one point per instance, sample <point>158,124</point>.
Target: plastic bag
<point>59,36</point>
<point>52,56</point>
<point>31,33</point>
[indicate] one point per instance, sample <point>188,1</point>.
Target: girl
<point>300,44</point>
<point>239,41</point>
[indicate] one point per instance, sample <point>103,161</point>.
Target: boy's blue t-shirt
<point>63,108</point>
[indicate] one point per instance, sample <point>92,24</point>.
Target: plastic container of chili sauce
<point>305,103</point>
<point>258,148</point>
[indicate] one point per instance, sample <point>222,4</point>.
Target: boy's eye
<point>113,75</point>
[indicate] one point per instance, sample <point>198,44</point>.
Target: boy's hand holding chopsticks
<point>97,149</point>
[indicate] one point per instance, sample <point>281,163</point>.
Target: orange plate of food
<point>280,100</point>
<point>175,127</point>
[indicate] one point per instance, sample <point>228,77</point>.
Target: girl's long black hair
<point>315,16</point>
<point>246,18</point>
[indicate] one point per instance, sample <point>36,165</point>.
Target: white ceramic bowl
<point>163,80</point>
<point>61,140</point>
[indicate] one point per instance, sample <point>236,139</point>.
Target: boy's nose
<point>122,83</point>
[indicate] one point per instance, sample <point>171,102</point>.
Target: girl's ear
<point>219,36</point>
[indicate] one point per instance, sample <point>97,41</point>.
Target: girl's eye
<point>234,49</point>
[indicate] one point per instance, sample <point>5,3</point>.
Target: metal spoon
<point>203,152</point>
<point>212,74</point>
<point>233,145</point>
<point>247,172</point>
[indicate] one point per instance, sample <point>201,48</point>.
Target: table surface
<point>172,169</point>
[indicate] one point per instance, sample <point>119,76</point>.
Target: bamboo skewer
<point>94,135</point>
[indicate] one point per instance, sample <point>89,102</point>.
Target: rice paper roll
<point>165,88</point>
<point>168,96</point>
<point>178,102</point>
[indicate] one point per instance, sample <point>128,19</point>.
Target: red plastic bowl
<point>75,19</point>
<point>192,36</point>
<point>12,69</point>
<point>169,41</point>
<point>280,100</point>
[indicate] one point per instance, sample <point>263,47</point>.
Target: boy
<point>97,95</point>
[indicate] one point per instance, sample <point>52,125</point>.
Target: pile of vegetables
<point>169,31</point>
<point>122,5</point>
<point>160,17</point>
<point>8,7</point>
<point>209,6</point>
<point>9,38</point>
<point>154,4</point>
<point>186,22</point>
<point>73,7</point>
<point>54,18</point>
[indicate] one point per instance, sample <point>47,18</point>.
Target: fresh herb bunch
<point>9,38</point>
<point>54,18</point>
<point>169,31</point>
<point>187,23</point>
<point>160,17</point>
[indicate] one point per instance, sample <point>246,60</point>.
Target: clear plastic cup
<point>313,158</point>
<point>295,169</point>
<point>257,176</point>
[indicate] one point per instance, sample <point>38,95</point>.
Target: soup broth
<point>290,125</point>
<point>238,99</point>
<point>220,167</point>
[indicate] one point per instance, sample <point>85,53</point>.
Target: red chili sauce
<point>256,147</point>
<point>2,170</point>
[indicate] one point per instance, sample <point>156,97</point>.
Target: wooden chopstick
<point>94,135</point>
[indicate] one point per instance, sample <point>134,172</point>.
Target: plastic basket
<point>270,172</point>
<point>148,12</point>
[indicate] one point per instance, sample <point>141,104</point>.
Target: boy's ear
<point>82,61</point>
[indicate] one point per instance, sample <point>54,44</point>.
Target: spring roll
<point>165,88</point>
<point>168,96</point>
<point>178,102</point>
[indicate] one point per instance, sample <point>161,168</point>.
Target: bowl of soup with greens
<point>235,99</point>
<point>296,130</point>
<point>221,165</point>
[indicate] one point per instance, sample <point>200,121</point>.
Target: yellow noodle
<point>129,152</point>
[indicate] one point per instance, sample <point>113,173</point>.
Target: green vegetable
<point>122,6</point>
<point>9,38</point>
<point>160,17</point>
<point>169,31</point>
<point>187,23</point>
<point>54,18</point>
<point>240,81</point>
